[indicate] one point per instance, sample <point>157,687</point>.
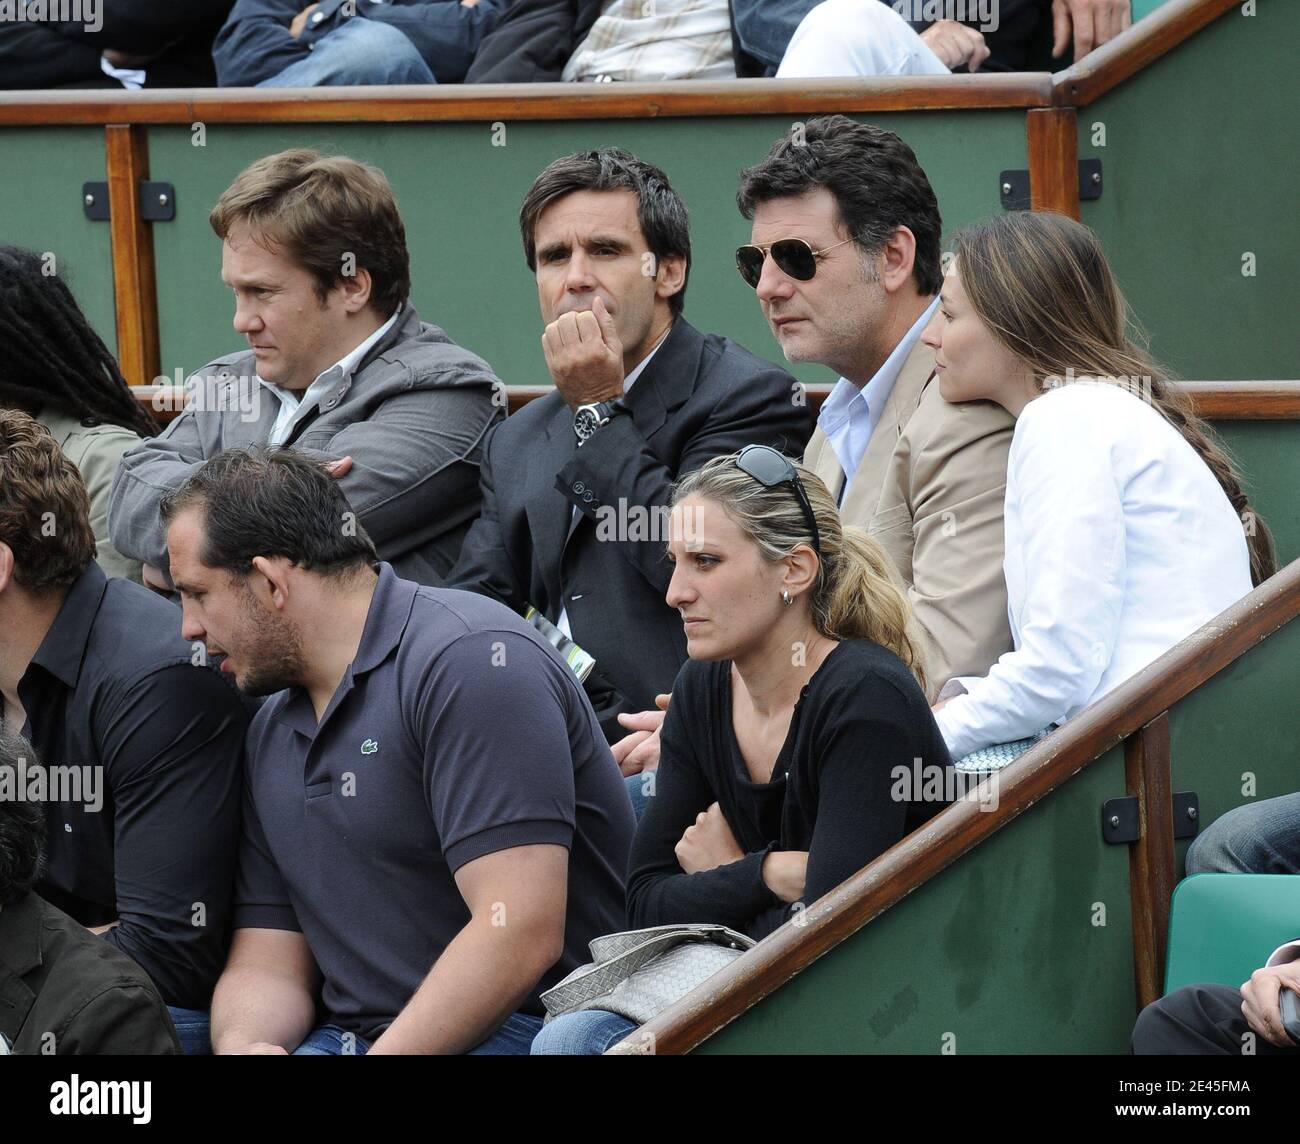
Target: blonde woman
<point>802,697</point>
<point>1126,526</point>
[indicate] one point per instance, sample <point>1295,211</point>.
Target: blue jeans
<point>587,1033</point>
<point>511,1040</point>
<point>331,1041</point>
<point>641,789</point>
<point>1258,838</point>
<point>361,51</point>
<point>194,1028</point>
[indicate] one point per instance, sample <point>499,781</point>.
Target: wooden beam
<point>134,289</point>
<point>954,831</point>
<point>1151,857</point>
<point>1053,137</point>
<point>1134,49</point>
<point>520,101</point>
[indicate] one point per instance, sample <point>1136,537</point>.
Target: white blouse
<point>1119,543</point>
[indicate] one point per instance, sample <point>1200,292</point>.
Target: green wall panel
<point>1242,722</point>
<point>999,950</point>
<point>40,208</point>
<point>460,198</point>
<point>1268,454</point>
<point>1199,162</point>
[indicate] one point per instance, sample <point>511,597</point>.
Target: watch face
<point>584,423</point>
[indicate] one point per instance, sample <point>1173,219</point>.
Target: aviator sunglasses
<point>793,256</point>
<point>770,468</point>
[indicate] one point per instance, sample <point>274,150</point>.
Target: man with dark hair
<point>65,991</point>
<point>576,484</point>
<point>845,261</point>
<point>434,828</point>
<point>142,747</point>
<point>339,365</point>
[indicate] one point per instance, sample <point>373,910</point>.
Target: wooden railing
<point>1135,714</point>
<point>1049,103</point>
<point>1213,400</point>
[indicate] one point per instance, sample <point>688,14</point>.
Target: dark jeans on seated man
<point>1257,838</point>
<point>1200,1020</point>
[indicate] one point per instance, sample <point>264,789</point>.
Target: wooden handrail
<point>519,101</point>
<point>1077,86</point>
<point>1133,49</point>
<point>1213,400</point>
<point>946,837</point>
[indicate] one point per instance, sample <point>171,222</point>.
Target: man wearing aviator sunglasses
<point>844,260</point>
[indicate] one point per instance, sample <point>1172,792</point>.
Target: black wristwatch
<point>588,418</point>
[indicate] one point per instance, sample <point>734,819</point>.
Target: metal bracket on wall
<point>1013,186</point>
<point>1119,817</point>
<point>157,201</point>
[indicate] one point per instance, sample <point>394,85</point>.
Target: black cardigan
<point>861,716</point>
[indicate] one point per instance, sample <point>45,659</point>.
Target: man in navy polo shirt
<point>434,828</point>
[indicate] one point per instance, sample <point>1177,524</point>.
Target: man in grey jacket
<point>339,365</point>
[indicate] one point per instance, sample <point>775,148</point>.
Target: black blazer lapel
<point>549,514</point>
<point>668,380</point>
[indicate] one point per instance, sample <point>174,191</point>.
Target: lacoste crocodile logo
<point>369,747</point>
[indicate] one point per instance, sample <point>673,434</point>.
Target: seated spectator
<point>808,39</point>
<point>868,37</point>
<point>124,44</point>
<point>66,992</point>
<point>1125,522</point>
<point>1217,1020</point>
<point>532,41</point>
<point>286,43</point>
<point>1257,838</point>
<point>143,747</point>
<point>339,365</point>
<point>434,828</point>
<point>56,368</point>
<point>802,699</point>
<point>576,484</point>
<point>650,43</point>
<point>844,264</point>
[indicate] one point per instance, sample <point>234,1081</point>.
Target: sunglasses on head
<point>792,256</point>
<point>770,468</point>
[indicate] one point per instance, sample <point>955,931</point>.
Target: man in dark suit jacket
<point>63,990</point>
<point>576,485</point>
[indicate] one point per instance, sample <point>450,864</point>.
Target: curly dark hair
<point>22,824</point>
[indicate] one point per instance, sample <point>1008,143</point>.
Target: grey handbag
<point>639,973</point>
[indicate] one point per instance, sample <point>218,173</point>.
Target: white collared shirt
<point>637,370</point>
<point>850,415</point>
<point>1119,543</point>
<point>292,407</point>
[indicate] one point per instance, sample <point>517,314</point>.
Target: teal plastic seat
<point>1222,927</point>
<point>1145,8</point>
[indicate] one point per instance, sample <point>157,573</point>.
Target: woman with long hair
<point>56,368</point>
<point>1126,525</point>
<point>790,749</point>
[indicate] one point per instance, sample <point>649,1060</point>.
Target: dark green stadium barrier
<point>41,173</point>
<point>1002,952</point>
<point>1199,170</point>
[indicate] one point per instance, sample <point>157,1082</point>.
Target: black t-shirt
<point>834,790</point>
